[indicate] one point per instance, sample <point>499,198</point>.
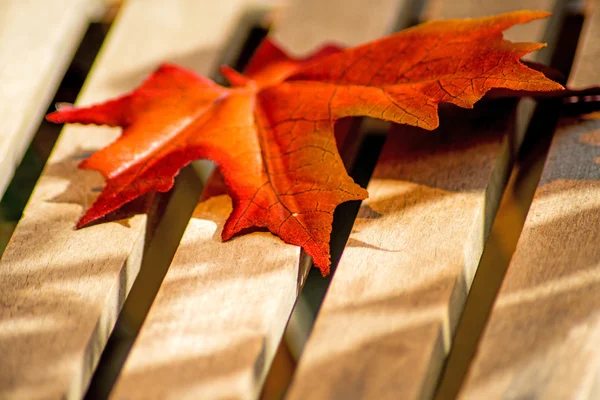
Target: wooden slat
<point>37,41</point>
<point>542,338</point>
<point>216,322</point>
<point>385,326</point>
<point>61,289</point>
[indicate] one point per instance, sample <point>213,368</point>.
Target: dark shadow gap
<point>165,239</point>
<point>412,14</point>
<point>29,170</point>
<point>518,195</point>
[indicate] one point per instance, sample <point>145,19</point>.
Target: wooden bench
<point>414,280</point>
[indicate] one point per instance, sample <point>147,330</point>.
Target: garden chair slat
<point>60,289</point>
<point>221,310</point>
<point>542,337</point>
<point>37,42</point>
<point>384,328</point>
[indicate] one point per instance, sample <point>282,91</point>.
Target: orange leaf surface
<point>271,134</point>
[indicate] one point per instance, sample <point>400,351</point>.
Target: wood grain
<point>385,326</point>
<point>542,338</point>
<point>60,289</point>
<point>221,311</point>
<point>37,42</point>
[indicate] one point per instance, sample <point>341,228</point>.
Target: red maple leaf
<point>271,134</point>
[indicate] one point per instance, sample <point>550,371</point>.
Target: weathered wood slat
<point>60,289</point>
<point>385,326</point>
<point>216,322</point>
<point>542,337</point>
<point>37,41</point>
